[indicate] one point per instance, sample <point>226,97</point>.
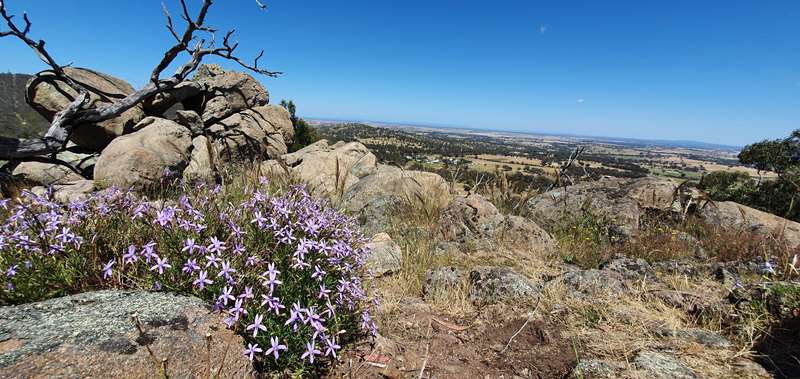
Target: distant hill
<point>17,119</point>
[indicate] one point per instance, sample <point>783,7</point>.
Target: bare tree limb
<point>562,172</point>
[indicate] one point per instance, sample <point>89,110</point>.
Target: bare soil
<point>419,343</point>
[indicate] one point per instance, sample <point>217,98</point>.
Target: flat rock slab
<point>93,335</point>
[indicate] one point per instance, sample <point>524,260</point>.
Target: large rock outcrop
<point>49,95</point>
<point>473,220</point>
<point>377,198</point>
<point>142,158</point>
<point>620,202</point>
<point>251,135</point>
<point>94,334</point>
<point>348,173</point>
<point>224,93</point>
<point>224,114</point>
<point>424,189</point>
<point>330,170</point>
<point>385,256</point>
<point>728,214</point>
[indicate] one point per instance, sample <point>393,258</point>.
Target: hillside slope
<point>17,119</point>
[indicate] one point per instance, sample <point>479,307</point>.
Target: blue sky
<point>716,71</point>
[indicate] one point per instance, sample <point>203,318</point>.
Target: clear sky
<point>716,71</point>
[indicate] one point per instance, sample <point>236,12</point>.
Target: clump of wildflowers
<point>284,270</point>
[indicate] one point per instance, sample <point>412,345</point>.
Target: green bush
<point>304,134</point>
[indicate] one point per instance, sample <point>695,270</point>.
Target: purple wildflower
<point>190,266</point>
<point>295,314</point>
<point>107,269</point>
<point>148,251</point>
<point>310,352</point>
<point>323,292</point>
<point>247,294</point>
<point>216,246</point>
<point>161,264</point>
<point>130,256</point>
<point>251,350</point>
<point>189,245</point>
<point>318,274</point>
<point>227,270</point>
<point>276,347</point>
<point>331,347</point>
<point>256,325</point>
<point>226,295</point>
<point>212,260</point>
<point>201,280</point>
<point>237,309</point>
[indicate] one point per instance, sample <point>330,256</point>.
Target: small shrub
<point>583,239</point>
<point>284,269</point>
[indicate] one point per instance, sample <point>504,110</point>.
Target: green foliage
<point>778,196</point>
<point>776,155</point>
<point>729,186</point>
<point>583,239</point>
<point>304,134</point>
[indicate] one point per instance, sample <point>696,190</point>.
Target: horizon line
<point>654,141</point>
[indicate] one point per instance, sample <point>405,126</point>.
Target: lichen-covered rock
<point>475,222</point>
<point>255,134</point>
<point>662,365</point>
<point>224,93</point>
<point>442,279</point>
<point>631,269</point>
<point>745,368</point>
<point>93,335</point>
<point>594,282</point>
<point>523,232</point>
<point>424,189</point>
<point>468,218</point>
<point>191,120</point>
<point>492,284</point>
<point>699,336</point>
<point>172,98</point>
<point>140,159</point>
<point>49,95</point>
<point>597,369</point>
<point>385,255</point>
<point>693,244</point>
<point>74,165</point>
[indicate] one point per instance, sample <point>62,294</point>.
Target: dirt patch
<point>532,349</point>
<point>430,345</point>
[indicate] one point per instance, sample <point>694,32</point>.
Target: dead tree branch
<point>562,172</point>
<point>76,113</point>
